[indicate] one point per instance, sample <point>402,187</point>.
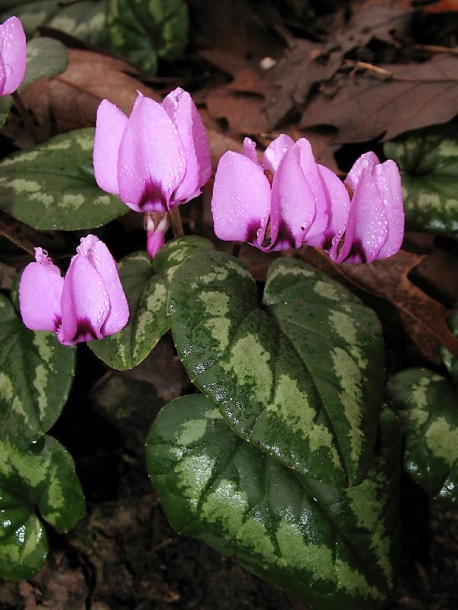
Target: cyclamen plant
<point>285,456</point>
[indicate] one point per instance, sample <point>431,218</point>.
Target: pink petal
<point>275,152</point>
<point>152,159</point>
<point>299,213</point>
<point>365,163</point>
<point>367,223</point>
<point>40,292</point>
<point>375,225</point>
<point>241,198</point>
<point>338,204</point>
<point>181,109</point>
<point>389,182</point>
<point>109,128</point>
<point>85,303</point>
<point>249,150</point>
<point>101,259</point>
<point>13,55</point>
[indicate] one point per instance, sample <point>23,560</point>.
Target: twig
<point>432,48</point>
<point>362,65</point>
<point>7,230</point>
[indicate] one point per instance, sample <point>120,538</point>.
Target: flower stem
<point>25,116</point>
<point>175,221</point>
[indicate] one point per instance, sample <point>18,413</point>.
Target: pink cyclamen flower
<point>89,303</point>
<point>374,228</point>
<point>13,55</point>
<point>288,200</point>
<point>156,159</point>
<point>282,202</point>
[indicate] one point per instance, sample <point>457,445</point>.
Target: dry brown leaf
<point>307,63</point>
<point>399,99</point>
<point>70,100</point>
<point>236,37</point>
<point>243,112</point>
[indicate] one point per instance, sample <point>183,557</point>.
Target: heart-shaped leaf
<point>36,374</point>
<point>428,160</point>
<point>52,186</point>
<point>428,405</point>
<point>146,284</point>
<point>145,31</point>
<point>84,19</point>
<point>34,477</point>
<point>335,548</point>
<point>300,375</point>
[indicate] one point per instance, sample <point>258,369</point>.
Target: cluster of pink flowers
<point>157,159</point>
<point>88,303</point>
<point>288,200</point>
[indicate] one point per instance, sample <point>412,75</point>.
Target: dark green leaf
<point>52,186</point>
<point>36,477</point>
<point>46,57</point>
<point>32,13</point>
<point>178,250</point>
<point>145,31</point>
<point>147,294</point>
<point>428,160</point>
<point>300,376</point>
<point>335,548</point>
<point>36,373</point>
<point>84,19</point>
<point>147,297</point>
<point>429,407</point>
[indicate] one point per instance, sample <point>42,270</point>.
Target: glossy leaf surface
<point>428,160</point>
<point>146,284</point>
<point>52,186</point>
<point>147,297</point>
<point>36,374</point>
<point>335,548</point>
<point>428,404</point>
<point>300,375</point>
<point>37,481</point>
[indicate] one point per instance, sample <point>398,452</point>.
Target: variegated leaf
<point>146,284</point>
<point>428,404</point>
<point>36,479</point>
<point>145,31</point>
<point>52,186</point>
<point>335,548</point>
<point>36,374</point>
<point>83,19</point>
<point>428,160</point>
<point>300,375</point>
